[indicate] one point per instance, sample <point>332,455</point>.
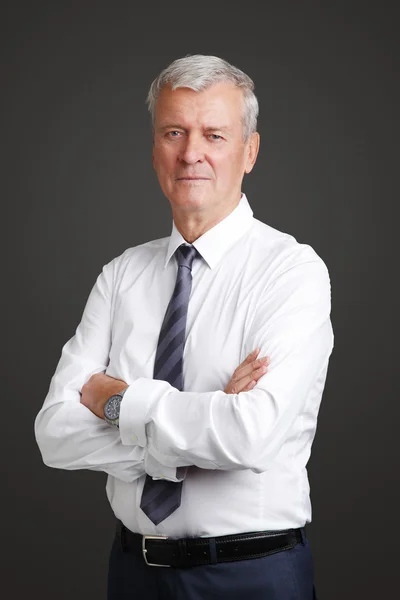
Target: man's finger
<point>251,367</point>
<point>251,356</point>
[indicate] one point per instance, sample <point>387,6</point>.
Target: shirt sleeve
<point>214,430</point>
<point>68,434</point>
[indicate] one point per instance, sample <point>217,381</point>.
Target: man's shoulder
<point>283,247</point>
<point>146,250</point>
<point>267,236</point>
<point>141,254</point>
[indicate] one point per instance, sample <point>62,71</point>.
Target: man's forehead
<point>221,100</point>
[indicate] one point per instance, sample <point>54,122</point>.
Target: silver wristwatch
<point>112,408</point>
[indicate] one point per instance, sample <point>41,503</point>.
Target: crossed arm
<point>161,428</point>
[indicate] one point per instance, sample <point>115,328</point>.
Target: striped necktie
<point>162,497</point>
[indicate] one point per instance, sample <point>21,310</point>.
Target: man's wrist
<point>111,409</point>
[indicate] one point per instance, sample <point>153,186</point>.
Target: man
<point>206,471</point>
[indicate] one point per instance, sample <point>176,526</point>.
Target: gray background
<point>78,188</point>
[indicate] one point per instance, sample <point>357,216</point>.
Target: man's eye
<point>215,136</point>
<point>173,133</point>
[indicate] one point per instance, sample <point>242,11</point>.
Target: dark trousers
<point>286,575</point>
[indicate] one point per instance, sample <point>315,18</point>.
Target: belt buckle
<point>144,549</point>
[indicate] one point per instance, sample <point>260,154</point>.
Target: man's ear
<point>252,151</point>
<point>152,153</point>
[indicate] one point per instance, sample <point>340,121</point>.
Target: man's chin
<point>192,199</point>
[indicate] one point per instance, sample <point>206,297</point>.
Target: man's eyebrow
<point>209,128</point>
<point>216,128</point>
<point>172,126</point>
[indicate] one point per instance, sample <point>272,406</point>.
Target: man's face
<point>198,153</point>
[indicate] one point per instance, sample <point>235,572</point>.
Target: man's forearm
<point>71,437</point>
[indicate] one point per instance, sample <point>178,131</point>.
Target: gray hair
<point>199,72</point>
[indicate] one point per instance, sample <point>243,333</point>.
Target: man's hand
<point>247,374</point>
<point>96,391</point>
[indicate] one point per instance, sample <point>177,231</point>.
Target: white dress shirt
<point>243,456</point>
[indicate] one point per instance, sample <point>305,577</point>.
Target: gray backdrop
<point>79,188</point>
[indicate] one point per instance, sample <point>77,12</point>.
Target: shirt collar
<point>213,244</point>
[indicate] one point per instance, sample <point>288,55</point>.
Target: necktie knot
<point>185,255</point>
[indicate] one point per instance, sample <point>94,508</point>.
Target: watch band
<point>122,392</point>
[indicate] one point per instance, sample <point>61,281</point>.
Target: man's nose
<point>192,150</point>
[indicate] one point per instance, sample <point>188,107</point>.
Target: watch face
<point>112,406</point>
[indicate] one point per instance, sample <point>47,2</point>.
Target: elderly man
<point>206,469</point>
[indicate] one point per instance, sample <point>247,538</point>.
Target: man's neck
<point>194,225</point>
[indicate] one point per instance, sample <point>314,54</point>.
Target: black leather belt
<point>162,551</point>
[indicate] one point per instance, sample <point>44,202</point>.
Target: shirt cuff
<point>158,471</point>
<point>135,405</point>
